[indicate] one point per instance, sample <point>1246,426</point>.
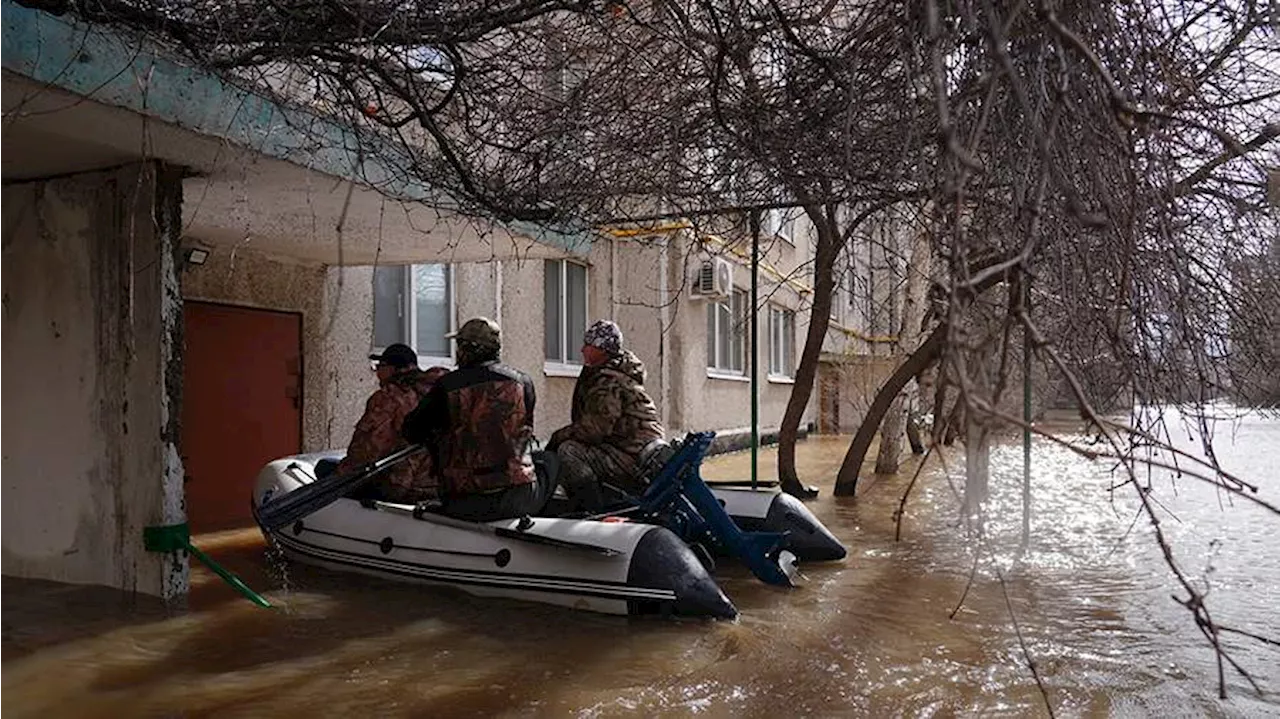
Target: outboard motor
<point>807,538</point>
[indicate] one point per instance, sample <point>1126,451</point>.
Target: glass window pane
<point>551,295</point>
<point>740,320</point>
<point>725,332</point>
<point>775,344</point>
<point>389,321</point>
<point>576,276</point>
<point>711,334</point>
<point>431,302</point>
<point>789,340</point>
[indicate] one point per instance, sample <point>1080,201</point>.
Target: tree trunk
<point>819,316</point>
<point>955,420</point>
<point>892,430</point>
<point>927,354</point>
<point>898,421</point>
<point>920,360</point>
<point>913,430</point>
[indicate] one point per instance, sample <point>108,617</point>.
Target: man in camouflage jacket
<point>478,423</point>
<point>613,420</point>
<point>401,386</point>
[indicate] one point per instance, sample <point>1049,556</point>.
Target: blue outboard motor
<point>678,499</point>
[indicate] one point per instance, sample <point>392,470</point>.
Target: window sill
<point>561,369</point>
<point>781,379</point>
<point>426,363</point>
<point>729,376</point>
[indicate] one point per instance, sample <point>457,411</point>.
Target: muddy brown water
<point>870,636</point>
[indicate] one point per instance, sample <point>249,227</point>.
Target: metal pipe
<point>755,349</point>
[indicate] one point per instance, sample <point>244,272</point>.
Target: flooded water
<point>870,636</point>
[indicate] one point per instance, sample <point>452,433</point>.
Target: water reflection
<point>871,636</point>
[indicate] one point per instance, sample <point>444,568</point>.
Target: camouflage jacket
<point>478,423</point>
<point>611,407</point>
<point>377,434</point>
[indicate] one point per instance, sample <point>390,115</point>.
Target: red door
<point>241,406</point>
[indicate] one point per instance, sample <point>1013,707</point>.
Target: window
<point>782,342</point>
<point>727,334</point>
<point>779,222</point>
<point>565,290</point>
<point>413,304</point>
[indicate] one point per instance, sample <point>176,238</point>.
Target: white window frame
<point>778,222</point>
<point>714,370</point>
<point>557,367</point>
<point>409,329</point>
<point>778,343</point>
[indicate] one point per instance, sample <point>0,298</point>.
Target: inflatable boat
<point>649,555</point>
<point>610,567</point>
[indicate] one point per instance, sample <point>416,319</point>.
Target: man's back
<point>478,422</point>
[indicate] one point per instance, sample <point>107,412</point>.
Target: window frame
<point>737,332</point>
<point>409,326</point>
<point>564,366</point>
<point>782,321</point>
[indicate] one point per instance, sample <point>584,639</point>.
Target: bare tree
<point>1094,173</point>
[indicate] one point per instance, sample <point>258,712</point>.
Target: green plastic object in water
<point>173,537</point>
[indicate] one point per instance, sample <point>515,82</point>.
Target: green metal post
<point>755,350</point>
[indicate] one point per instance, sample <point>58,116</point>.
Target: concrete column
<point>92,397</point>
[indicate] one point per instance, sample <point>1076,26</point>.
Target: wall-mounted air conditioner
<point>714,278</point>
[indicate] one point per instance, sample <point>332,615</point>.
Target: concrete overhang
<point>281,180</point>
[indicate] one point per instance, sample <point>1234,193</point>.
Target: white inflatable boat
<point>608,567</point>
<point>613,567</point>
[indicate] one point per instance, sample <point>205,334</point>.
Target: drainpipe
<point>613,279</point>
<point>497,291</point>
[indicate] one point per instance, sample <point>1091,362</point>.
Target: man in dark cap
<point>401,386</point>
<point>477,423</point>
<point>613,422</point>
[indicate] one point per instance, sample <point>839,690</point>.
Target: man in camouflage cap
<point>477,423</point>
<point>613,421</point>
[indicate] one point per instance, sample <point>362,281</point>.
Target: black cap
<point>397,355</point>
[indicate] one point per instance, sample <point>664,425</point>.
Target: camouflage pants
<point>583,467</point>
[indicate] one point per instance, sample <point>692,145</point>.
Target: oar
<point>503,532</point>
<point>310,498</point>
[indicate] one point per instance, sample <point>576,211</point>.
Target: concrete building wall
<point>847,385</point>
<point>702,399</point>
<point>640,283</point>
<point>643,307</point>
<point>91,377</point>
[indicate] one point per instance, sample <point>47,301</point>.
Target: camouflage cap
<point>479,331</point>
<point>604,335</point>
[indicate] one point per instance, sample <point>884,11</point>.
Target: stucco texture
<point>89,327</point>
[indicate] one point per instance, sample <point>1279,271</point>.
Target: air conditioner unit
<point>714,278</point>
